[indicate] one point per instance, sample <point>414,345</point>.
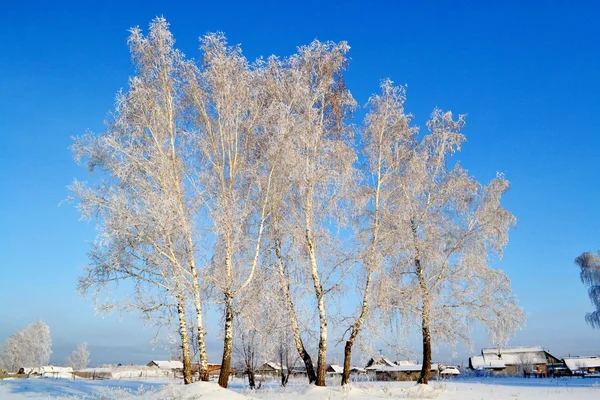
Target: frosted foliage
<point>589,263</point>
<point>27,348</point>
<point>145,200</point>
<point>79,358</point>
<point>448,229</point>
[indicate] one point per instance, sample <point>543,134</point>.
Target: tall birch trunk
<point>310,370</point>
<point>426,334</point>
<point>227,342</point>
<point>322,354</point>
<point>185,344</point>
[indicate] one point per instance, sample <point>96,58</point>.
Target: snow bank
<point>194,391</point>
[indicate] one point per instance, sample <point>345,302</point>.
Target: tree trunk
<point>227,342</point>
<point>425,313</point>
<point>202,347</point>
<point>322,358</point>
<point>251,381</point>
<point>306,359</point>
<point>185,345</point>
<point>322,355</point>
<point>426,369</point>
<point>347,362</point>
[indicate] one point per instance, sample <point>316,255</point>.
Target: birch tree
<point>237,164</point>
<point>321,173</point>
<point>143,201</point>
<point>386,135</point>
<point>589,264</point>
<point>79,358</point>
<point>449,229</point>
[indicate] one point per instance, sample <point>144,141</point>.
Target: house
<point>354,370</point>
<point>377,362</point>
<point>168,365</point>
<point>214,369</point>
<point>334,369</point>
<point>493,367</point>
<point>270,368</point>
<point>514,360</point>
<point>448,371</point>
<point>405,372</point>
<point>582,365</point>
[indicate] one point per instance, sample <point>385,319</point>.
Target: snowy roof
<point>405,368</point>
<point>377,361</point>
<point>404,362</point>
<point>449,370</point>
<point>338,369</point>
<point>167,364</point>
<point>478,362</point>
<point>575,363</point>
<point>515,355</point>
<point>272,365</point>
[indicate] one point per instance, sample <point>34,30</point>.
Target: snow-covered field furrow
<point>168,389</point>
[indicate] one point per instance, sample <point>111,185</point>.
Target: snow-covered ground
<point>165,389</point>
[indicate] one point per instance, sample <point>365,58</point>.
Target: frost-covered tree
<point>448,228</point>
<point>589,264</point>
<point>319,176</point>
<point>27,348</point>
<point>237,162</point>
<point>385,136</point>
<point>79,358</point>
<point>144,201</point>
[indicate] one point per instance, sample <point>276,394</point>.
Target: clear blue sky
<point>528,76</point>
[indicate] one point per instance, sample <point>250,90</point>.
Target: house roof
<point>575,363</point>
<point>377,361</point>
<point>167,364</point>
<point>338,369</point>
<point>450,370</point>
<point>405,368</point>
<point>479,362</point>
<point>271,365</point>
<point>515,355</point>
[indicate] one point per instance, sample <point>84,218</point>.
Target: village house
<point>582,365</point>
<point>173,365</point>
<point>515,360</point>
<point>270,369</point>
<point>334,369</point>
<point>382,369</point>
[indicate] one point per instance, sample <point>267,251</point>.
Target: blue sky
<point>527,75</point>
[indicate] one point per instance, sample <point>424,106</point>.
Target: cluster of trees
<point>27,348</point>
<point>245,184</point>
<point>31,347</point>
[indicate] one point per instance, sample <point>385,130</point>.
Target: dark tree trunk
<point>347,362</point>
<point>426,370</point>
<point>251,381</point>
<point>227,342</point>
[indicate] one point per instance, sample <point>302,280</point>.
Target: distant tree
<point>79,358</point>
<point>448,229</point>
<point>589,263</point>
<point>27,348</point>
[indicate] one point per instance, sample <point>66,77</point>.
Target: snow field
<point>170,389</point>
